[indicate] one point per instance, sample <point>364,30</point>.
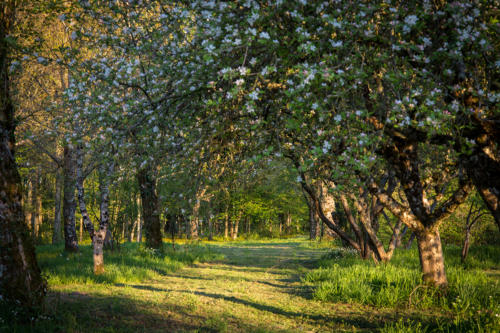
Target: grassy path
<point>255,288</point>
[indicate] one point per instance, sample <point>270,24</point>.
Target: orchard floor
<point>253,287</point>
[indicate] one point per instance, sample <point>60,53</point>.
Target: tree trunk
<point>34,205</point>
<point>195,219</point>
<point>492,202</point>
<point>410,241</point>
<point>421,218</point>
<point>236,223</point>
<point>139,220</point>
<point>281,217</point>
<point>313,224</point>
<point>21,284</point>
<point>56,232</point>
<point>28,209</point>
<point>102,235</point>
<point>150,212</point>
<point>210,228</point>
<point>288,222</point>
<point>226,225</point>
<point>192,227</point>
<point>483,162</point>
<point>431,258</point>
<point>104,190</point>
<point>131,234</point>
<point>465,248</point>
<point>38,210</point>
<point>97,237</point>
<point>69,202</point>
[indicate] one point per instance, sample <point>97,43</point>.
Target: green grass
<point>261,285</point>
<point>472,298</point>
<point>132,263</point>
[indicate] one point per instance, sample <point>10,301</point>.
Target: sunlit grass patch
<point>132,263</point>
<point>472,298</point>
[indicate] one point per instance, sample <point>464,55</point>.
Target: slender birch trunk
<point>98,236</point>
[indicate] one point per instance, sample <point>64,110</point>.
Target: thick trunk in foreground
<point>56,232</point>
<point>21,284</point>
<point>150,212</point>
<point>69,202</point>
<point>431,258</point>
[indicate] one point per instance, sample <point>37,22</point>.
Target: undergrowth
<point>471,301</point>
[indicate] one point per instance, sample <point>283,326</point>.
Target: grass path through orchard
<point>256,287</point>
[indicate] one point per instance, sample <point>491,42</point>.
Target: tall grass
<point>132,263</point>
<point>472,298</point>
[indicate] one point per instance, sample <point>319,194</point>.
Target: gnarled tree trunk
<point>431,257</point>
<point>421,217</point>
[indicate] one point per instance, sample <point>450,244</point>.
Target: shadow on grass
<point>357,321</point>
<point>353,319</point>
<point>77,312</point>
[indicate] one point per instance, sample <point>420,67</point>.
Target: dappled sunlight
<point>242,287</point>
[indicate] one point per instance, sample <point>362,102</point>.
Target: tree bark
<point>210,228</point>
<point>483,162</point>
<point>150,211</point>
<point>431,258</point>
<point>69,202</point>
<point>236,223</point>
<point>102,235</point>
<point>34,204</point>
<point>38,209</point>
<point>313,217</point>
<point>132,231</point>
<point>28,209</point>
<point>226,225</point>
<point>21,284</point>
<point>465,247</point>
<point>56,232</point>
<point>138,220</point>
<point>422,218</point>
<point>97,237</point>
<point>193,232</point>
